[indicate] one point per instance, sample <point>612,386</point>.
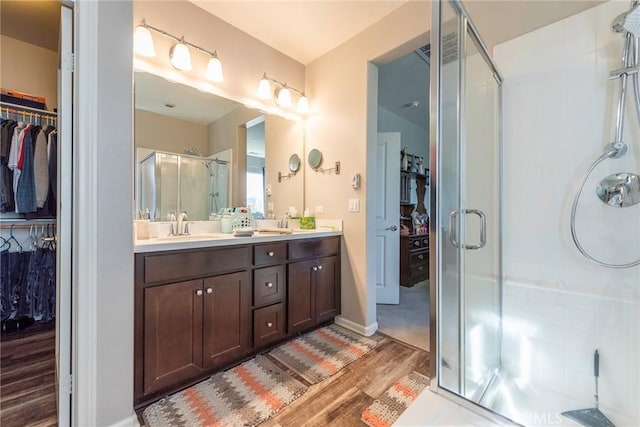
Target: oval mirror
<point>314,158</point>
<point>620,190</point>
<point>294,163</point>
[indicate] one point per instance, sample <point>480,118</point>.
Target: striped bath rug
<point>245,395</point>
<point>384,411</point>
<point>321,353</point>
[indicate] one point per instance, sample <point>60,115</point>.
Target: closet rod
<point>23,108</point>
<point>17,226</point>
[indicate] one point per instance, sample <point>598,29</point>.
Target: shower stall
<point>518,307</point>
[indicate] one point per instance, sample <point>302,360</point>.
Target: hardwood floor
<point>340,400</point>
<point>27,378</point>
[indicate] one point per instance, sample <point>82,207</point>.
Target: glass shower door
<point>468,199</point>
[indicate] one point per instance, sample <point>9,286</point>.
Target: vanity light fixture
<point>282,94</point>
<point>180,53</point>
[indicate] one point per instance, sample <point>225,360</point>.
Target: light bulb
<point>264,88</point>
<point>283,97</point>
<point>180,57</point>
<point>214,69</point>
<point>142,41</point>
<point>303,104</point>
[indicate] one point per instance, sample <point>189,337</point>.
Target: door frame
<point>436,222</point>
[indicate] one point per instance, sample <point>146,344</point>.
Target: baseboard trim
<point>131,421</point>
<point>367,331</point>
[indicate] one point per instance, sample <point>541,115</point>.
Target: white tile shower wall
<point>559,112</point>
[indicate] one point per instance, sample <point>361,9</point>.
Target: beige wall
<point>29,68</point>
<point>343,125</point>
<point>168,134</point>
<point>243,57</point>
<point>282,139</point>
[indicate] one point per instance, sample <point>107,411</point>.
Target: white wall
<point>343,126</point>
<point>559,111</point>
<point>103,205</point>
<point>414,137</point>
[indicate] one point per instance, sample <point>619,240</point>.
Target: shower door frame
<point>465,26</point>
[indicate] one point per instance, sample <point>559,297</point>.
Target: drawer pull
<point>270,253</point>
<point>209,290</point>
<point>269,324</point>
<point>319,267</point>
<point>199,292</point>
<point>420,268</point>
<point>269,285</point>
<point>416,242</point>
<point>315,268</point>
<point>420,256</point>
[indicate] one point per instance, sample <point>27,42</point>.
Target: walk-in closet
<point>35,96</point>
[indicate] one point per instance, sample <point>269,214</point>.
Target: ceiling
<point>153,93</point>
<point>301,29</point>
<point>305,30</point>
<point>35,22</point>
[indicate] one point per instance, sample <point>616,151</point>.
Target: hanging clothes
<point>26,188</point>
<point>6,175</point>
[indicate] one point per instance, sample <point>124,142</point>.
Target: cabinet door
<point>327,289</point>
<point>172,334</point>
<point>227,318</point>
<point>301,298</point>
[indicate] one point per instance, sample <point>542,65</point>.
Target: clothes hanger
<point>5,242</point>
<point>12,237</point>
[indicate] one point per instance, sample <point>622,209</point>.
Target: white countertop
<point>171,243</point>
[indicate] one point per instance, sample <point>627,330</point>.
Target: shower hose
<point>615,149</point>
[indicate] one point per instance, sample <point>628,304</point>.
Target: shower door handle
<point>453,229</point>
<point>483,229</point>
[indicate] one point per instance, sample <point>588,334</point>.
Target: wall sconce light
<point>179,55</point>
<point>282,94</point>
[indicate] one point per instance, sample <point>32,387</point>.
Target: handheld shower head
<point>628,21</point>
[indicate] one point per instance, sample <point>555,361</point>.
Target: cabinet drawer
<point>300,249</point>
<point>418,258</point>
<point>268,324</point>
<point>177,266</point>
<point>269,254</point>
<point>421,242</point>
<point>268,285</point>
<point>419,271</point>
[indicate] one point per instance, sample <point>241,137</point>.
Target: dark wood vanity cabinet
<point>200,310</point>
<point>313,285</point>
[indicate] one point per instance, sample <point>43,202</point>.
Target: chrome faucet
<point>284,222</point>
<point>182,216</point>
<point>172,217</point>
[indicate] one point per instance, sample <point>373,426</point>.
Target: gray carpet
<point>408,321</point>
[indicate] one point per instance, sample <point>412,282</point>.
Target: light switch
<point>354,205</point>
<point>319,209</point>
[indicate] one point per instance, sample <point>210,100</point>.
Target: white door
<point>387,175</point>
<point>64,215</point>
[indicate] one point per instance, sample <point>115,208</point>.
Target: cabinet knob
<point>269,285</point>
<point>315,268</point>
<point>416,242</point>
<point>420,256</point>
<point>319,267</point>
<point>269,324</point>
<point>209,290</point>
<point>420,268</point>
<point>270,253</point>
<point>199,292</point>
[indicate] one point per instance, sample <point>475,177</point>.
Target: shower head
<point>628,21</point>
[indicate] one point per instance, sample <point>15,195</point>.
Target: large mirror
<point>199,153</point>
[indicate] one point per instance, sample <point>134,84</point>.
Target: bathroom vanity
<point>203,305</point>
